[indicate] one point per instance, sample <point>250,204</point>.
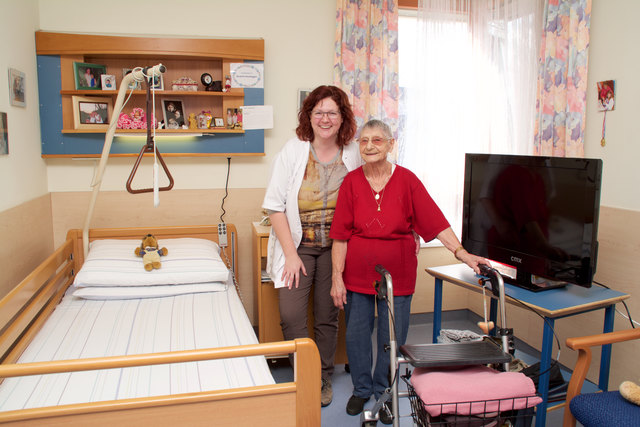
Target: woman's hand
<point>338,292</point>
<point>472,260</point>
<point>291,273</point>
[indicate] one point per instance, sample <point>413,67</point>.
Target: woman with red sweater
<point>380,206</point>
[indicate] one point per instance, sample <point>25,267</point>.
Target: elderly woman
<point>301,198</point>
<point>379,207</point>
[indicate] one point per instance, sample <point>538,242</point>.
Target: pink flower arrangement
<point>136,120</point>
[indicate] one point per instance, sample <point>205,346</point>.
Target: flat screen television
<point>538,215</point>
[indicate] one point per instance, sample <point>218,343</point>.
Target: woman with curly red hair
<point>301,198</point>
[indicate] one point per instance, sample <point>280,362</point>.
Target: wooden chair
<point>597,409</point>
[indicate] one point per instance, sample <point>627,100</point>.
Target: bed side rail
<point>25,307</point>
<point>304,391</point>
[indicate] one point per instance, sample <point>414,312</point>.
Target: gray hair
<point>378,124</point>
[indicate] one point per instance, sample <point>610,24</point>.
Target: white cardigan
<point>287,173</point>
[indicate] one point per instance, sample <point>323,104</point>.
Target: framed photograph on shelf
<point>218,122</point>
<point>133,85</point>
<point>158,83</point>
<point>88,76</point>
<point>108,82</point>
<point>173,114</point>
<point>16,88</point>
<point>92,112</point>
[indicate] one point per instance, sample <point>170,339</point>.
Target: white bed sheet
<point>81,328</point>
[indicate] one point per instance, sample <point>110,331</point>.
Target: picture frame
<point>93,113</point>
<point>108,82</point>
<point>17,83</point>
<point>302,95</point>
<point>173,114</point>
<point>133,85</point>
<point>218,122</point>
<point>88,76</point>
<point>232,118</point>
<point>158,83</point>
<point>4,134</point>
<point>606,95</point>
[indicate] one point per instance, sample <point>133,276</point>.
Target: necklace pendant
<point>377,196</point>
<point>378,208</point>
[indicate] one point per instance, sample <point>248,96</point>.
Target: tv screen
<point>536,214</point>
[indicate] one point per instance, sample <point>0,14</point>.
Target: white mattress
<point>86,328</point>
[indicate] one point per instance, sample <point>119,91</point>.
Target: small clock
<point>207,81</point>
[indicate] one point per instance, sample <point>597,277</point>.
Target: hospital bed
<point>188,365</point>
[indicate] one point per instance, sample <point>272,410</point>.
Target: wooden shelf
<point>182,58</point>
<point>159,131</point>
<point>172,93</point>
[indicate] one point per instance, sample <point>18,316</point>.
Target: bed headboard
<point>209,232</point>
<point>25,308</point>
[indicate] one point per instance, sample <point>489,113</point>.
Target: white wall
<point>298,54</point>
<point>22,172</point>
<point>613,54</point>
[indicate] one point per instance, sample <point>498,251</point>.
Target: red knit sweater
<point>384,237</point>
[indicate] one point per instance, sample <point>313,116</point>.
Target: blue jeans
<point>360,316</point>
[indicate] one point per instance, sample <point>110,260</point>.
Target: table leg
<point>437,309</point>
<point>605,355</point>
<point>545,363</point>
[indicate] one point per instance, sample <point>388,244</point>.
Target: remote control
<point>222,235</point>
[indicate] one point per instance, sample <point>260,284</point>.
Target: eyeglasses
<point>376,140</point>
<point>332,115</point>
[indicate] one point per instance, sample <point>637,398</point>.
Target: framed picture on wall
<point>302,95</point>
<point>92,112</point>
<point>4,135</point>
<point>88,76</point>
<point>17,88</point>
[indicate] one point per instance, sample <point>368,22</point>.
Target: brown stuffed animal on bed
<point>150,252</point>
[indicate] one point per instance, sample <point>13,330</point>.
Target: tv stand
<point>558,303</point>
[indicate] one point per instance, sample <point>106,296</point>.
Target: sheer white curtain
<point>468,71</point>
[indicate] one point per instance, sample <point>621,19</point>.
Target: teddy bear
<point>630,391</point>
<point>150,252</point>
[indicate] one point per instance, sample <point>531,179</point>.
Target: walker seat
<point>454,354</point>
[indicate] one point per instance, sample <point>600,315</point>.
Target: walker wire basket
<point>470,414</point>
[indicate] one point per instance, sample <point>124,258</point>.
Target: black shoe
<point>385,415</point>
<point>355,405</point>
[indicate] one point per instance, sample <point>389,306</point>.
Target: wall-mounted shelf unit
<point>57,53</point>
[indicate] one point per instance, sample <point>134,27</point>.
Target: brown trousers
<point>294,306</point>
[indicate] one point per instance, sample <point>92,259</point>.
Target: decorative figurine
<point>193,123</point>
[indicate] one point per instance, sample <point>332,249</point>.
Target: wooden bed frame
<point>25,309</point>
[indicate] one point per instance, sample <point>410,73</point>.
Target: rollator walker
<point>442,355</point>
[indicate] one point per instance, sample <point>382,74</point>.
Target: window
<point>468,75</point>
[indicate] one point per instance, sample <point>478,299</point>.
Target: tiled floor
<point>420,332</point>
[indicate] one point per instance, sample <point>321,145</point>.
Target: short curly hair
<point>304,131</point>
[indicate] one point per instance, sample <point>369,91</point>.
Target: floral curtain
<point>366,58</point>
<point>562,83</point>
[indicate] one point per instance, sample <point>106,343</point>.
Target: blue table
<point>551,304</point>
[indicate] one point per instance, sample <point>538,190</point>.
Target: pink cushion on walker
<point>481,388</point>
